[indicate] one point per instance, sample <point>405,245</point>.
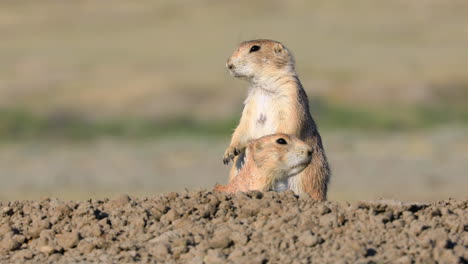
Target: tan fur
<point>276,103</point>
<point>267,162</point>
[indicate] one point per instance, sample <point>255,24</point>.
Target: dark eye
<point>281,141</point>
<point>254,48</point>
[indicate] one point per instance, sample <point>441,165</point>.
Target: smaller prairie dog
<point>268,160</point>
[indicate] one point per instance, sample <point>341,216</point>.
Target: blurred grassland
<point>20,125</point>
<point>84,69</point>
<point>103,97</point>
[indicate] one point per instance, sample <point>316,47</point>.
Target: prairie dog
<point>268,160</point>
<point>276,103</point>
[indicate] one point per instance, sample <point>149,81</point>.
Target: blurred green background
<point>104,97</point>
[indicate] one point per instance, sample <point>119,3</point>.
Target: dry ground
<point>202,227</point>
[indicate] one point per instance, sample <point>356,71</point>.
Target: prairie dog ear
<point>278,48</point>
<point>257,145</point>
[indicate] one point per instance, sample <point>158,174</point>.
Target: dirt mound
<point>205,227</point>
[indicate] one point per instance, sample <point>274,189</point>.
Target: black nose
<point>230,66</point>
<point>309,153</point>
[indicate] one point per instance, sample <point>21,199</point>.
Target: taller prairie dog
<point>276,103</point>
<point>268,160</point>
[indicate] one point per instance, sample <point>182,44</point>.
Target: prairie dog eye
<point>254,48</point>
<point>281,141</point>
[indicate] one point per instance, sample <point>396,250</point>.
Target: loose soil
<point>254,227</point>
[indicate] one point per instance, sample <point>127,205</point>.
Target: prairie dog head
<point>260,58</point>
<point>268,160</point>
<point>279,156</point>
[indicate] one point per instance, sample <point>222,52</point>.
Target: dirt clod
<point>254,227</point>
<point>308,239</point>
<point>68,240</point>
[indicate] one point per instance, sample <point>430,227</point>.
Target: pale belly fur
<point>266,122</point>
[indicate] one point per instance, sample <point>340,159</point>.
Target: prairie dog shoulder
<point>269,160</point>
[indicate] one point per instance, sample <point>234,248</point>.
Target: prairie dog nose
<point>229,63</point>
<point>308,151</point>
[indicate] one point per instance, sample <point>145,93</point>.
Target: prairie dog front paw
<point>230,153</point>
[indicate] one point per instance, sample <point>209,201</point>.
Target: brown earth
<point>206,227</point>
